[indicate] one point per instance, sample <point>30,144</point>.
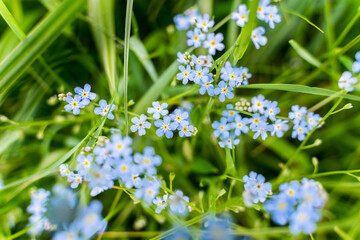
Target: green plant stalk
<point>10,20</point>
<point>126,60</point>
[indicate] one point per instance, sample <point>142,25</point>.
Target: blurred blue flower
<point>257,185</point>
<point>258,38</point>
<point>148,161</point>
<point>214,43</point>
<point>204,22</point>
<point>280,126</point>
<point>356,64</point>
<point>164,127</point>
<point>177,203</point>
<point>224,91</point>
<point>272,16</point>
<point>195,38</point>
<point>241,16</point>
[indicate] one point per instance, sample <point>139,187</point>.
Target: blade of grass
<point>15,64</point>
<point>305,54</point>
<point>300,89</point>
<point>129,7</point>
<point>102,13</point>
<point>303,18</point>
<point>11,21</point>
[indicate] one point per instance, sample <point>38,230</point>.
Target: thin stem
<point>129,6</point>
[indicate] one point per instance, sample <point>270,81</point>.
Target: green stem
<point>126,59</point>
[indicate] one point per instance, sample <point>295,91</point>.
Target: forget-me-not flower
<point>85,94</point>
<point>140,124</point>
<point>74,104</point>
<point>258,38</point>
<point>204,23</point>
<point>224,91</point>
<point>164,127</point>
<point>356,64</point>
<point>157,110</point>
<point>280,126</point>
<point>347,81</point>
<point>185,74</point>
<point>195,38</point>
<point>105,109</point>
<point>272,16</point>
<point>214,43</point>
<point>241,16</point>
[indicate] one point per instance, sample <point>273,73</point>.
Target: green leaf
<point>300,89</point>
<point>156,89</point>
<point>139,49</point>
<point>20,59</point>
<point>11,21</point>
<point>305,54</point>
<point>202,166</point>
<point>230,165</point>
<point>102,15</point>
<point>244,38</point>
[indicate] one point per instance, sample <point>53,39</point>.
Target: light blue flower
<point>185,74</point>
<point>280,209</point>
<point>85,94</point>
<point>185,131</point>
<point>245,75</point>
<point>257,186</point>
<point>292,191</point>
<point>224,91</point>
<point>74,104</point>
<point>271,110</point>
<point>147,190</point>
<point>214,43</point>
<point>182,22</point>
<point>258,104</point>
<point>222,128</point>
<point>181,58</point>
<point>205,61</point>
<point>164,127</point>
<point>101,153</point>
<point>122,168</point>
<point>100,178</point>
<point>140,124</point>
<point>297,113</point>
<point>304,220</point>
<point>229,142</point>
<point>148,161</point>
<point>180,233</point>
<point>241,16</point>
<point>133,180</point>
<point>280,126</point>
<point>177,203</point>
<point>105,109</point>
<point>240,125</point>
<point>75,180</point>
<point>299,131</point>
<point>272,16</point>
<point>64,170</point>
<point>90,220</point>
<point>231,75</point>
<point>157,110</point>
<point>70,234</point>
<point>347,81</point>
<point>160,203</point>
<point>204,23</point>
<point>262,129</point>
<point>195,38</point>
<point>217,229</point>
<point>200,74</point>
<point>230,114</point>
<point>258,38</point>
<point>119,146</point>
<point>256,120</point>
<point>179,118</point>
<point>207,86</point>
<point>312,120</point>
<point>261,10</point>
<point>84,164</point>
<point>312,194</point>
<point>356,64</point>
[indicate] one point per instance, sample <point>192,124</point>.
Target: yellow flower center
<point>84,94</point>
<point>196,38</point>
<point>213,43</point>
<point>165,127</point>
<point>119,146</point>
<point>224,90</point>
<point>186,74</point>
<point>74,104</point>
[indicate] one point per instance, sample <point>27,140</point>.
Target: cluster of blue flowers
<point>179,120</point>
<point>256,189</point>
<point>304,121</point>
<point>264,120</point>
<point>196,69</point>
<point>265,12</point>
<point>37,208</point>
<point>59,214</point>
<point>82,98</point>
<point>114,160</point>
<point>297,204</point>
<point>200,35</point>
<point>347,80</point>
